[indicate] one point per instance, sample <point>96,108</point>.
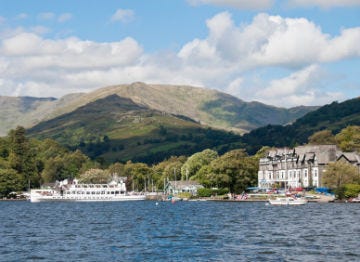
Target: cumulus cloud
<point>306,86</point>
<point>123,15</point>
<point>325,3</point>
<point>303,87</point>
<point>239,4</point>
<point>268,41</point>
<point>31,64</point>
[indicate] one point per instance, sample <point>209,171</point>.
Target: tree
<point>22,156</point>
<point>338,174</point>
<point>10,181</point>
<point>116,169</point>
<point>206,177</point>
<point>95,176</point>
<point>352,190</point>
<point>237,169</point>
<point>349,139</point>
<point>53,170</point>
<point>196,161</point>
<point>68,165</point>
<point>169,169</point>
<point>324,137</point>
<point>138,175</point>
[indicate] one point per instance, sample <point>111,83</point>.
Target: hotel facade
<point>302,166</point>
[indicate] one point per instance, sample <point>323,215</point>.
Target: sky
<point>284,53</point>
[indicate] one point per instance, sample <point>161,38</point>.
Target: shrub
<point>352,190</point>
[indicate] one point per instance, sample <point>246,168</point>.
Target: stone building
<point>302,166</point>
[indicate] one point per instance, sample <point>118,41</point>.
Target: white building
<point>302,166</point>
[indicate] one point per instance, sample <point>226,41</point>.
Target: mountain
<point>115,128</point>
<point>334,117</point>
<point>29,111</point>
<point>206,106</point>
<point>21,110</point>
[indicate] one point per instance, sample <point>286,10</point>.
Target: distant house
<point>176,187</point>
<point>302,166</point>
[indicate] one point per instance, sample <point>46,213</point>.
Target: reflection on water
<point>184,231</point>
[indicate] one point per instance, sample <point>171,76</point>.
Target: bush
<point>204,192</point>
<point>222,191</point>
<point>208,192</point>
<point>352,190</point>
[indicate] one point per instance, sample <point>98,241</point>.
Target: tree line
<point>28,163</point>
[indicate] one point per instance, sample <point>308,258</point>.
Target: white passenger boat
<point>74,191</point>
<point>285,201</point>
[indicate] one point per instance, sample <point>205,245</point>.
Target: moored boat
<point>75,191</point>
<point>285,201</point>
<point>355,200</point>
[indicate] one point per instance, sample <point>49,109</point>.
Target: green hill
<point>334,117</point>
<point>208,107</point>
<point>117,129</point>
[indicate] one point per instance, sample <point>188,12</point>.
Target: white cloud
<point>270,41</point>
<point>40,30</point>
<point>31,64</point>
<point>303,87</point>
<point>239,4</point>
<point>123,15</point>
<point>64,17</point>
<point>22,16</point>
<point>46,16</point>
<point>325,3</point>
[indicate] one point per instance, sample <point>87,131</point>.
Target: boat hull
<point>77,192</point>
<point>287,201</point>
<point>35,199</point>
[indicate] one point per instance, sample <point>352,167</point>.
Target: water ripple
<point>184,231</point>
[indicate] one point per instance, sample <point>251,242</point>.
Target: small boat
<point>355,200</point>
<point>285,201</point>
<point>77,192</point>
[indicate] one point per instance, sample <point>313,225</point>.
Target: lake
<point>183,231</point>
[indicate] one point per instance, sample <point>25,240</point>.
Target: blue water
<point>184,231</point>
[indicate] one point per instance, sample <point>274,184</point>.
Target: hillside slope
<point>334,117</point>
<point>208,107</point>
<point>117,129</point>
<point>21,111</point>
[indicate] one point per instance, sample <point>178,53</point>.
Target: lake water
<point>184,231</point>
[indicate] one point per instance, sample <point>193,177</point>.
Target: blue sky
<point>279,52</point>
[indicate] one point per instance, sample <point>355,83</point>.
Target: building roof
<point>352,157</point>
<point>323,153</point>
